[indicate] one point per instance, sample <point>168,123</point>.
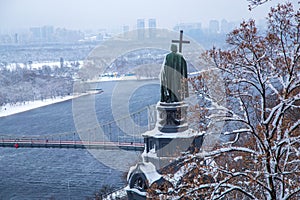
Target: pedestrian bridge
<point>45,143</point>
<point>111,137</point>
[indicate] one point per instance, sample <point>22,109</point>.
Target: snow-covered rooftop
<point>158,134</point>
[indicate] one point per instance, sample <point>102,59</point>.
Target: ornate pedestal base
<point>172,117</point>
<point>163,145</point>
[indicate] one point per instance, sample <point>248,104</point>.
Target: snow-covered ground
<point>39,65</point>
<point>9,109</point>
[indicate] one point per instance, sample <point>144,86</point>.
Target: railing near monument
<point>124,133</point>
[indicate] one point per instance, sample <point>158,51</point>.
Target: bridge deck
<point>23,143</point>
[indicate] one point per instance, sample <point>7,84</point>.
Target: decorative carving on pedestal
<point>172,117</point>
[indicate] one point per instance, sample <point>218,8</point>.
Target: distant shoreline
<point>8,109</point>
<point>123,78</point>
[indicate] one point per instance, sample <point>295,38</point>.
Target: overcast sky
<point>96,14</point>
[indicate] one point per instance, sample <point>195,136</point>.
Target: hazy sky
<point>96,14</point>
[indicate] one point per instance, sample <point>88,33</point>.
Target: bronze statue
<point>173,77</point>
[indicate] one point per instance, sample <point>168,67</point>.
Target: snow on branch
<point>238,131</point>
<point>272,113</point>
<point>226,150</point>
<point>293,127</point>
<point>292,193</point>
<point>232,188</point>
<point>289,140</point>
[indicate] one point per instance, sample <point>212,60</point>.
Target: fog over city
<point>136,99</point>
<point>113,14</point>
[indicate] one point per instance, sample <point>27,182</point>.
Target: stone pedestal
<point>172,117</point>
<point>171,136</point>
<point>166,142</point>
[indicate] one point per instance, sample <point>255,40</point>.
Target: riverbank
<point>11,109</point>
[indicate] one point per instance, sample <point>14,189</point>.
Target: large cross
<point>181,41</point>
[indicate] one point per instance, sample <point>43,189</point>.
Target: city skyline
<point>92,14</point>
<point>146,23</point>
<point>51,34</point>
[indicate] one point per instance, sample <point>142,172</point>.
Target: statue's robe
<point>174,87</point>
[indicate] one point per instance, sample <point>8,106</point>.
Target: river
<point>28,173</point>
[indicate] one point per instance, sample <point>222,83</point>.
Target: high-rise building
<point>140,24</point>
<point>141,28</point>
<point>152,28</point>
<point>214,26</point>
<point>125,30</point>
<point>188,26</point>
<point>224,26</point>
<point>47,33</point>
<point>193,30</point>
<point>16,37</point>
<point>42,34</point>
<point>152,23</point>
<point>35,34</point>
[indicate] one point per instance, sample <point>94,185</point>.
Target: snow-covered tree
<point>255,3</point>
<point>259,154</point>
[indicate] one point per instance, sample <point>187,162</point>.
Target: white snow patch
<point>39,65</point>
<point>117,194</point>
<point>238,158</point>
<point>9,109</point>
<point>136,191</point>
<point>186,134</point>
<point>148,169</point>
<point>150,172</point>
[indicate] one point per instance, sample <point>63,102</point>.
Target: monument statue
<point>171,135</point>
<point>174,87</point>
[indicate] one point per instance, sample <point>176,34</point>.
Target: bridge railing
<point>117,131</point>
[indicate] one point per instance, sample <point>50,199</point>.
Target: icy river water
<point>28,173</point>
